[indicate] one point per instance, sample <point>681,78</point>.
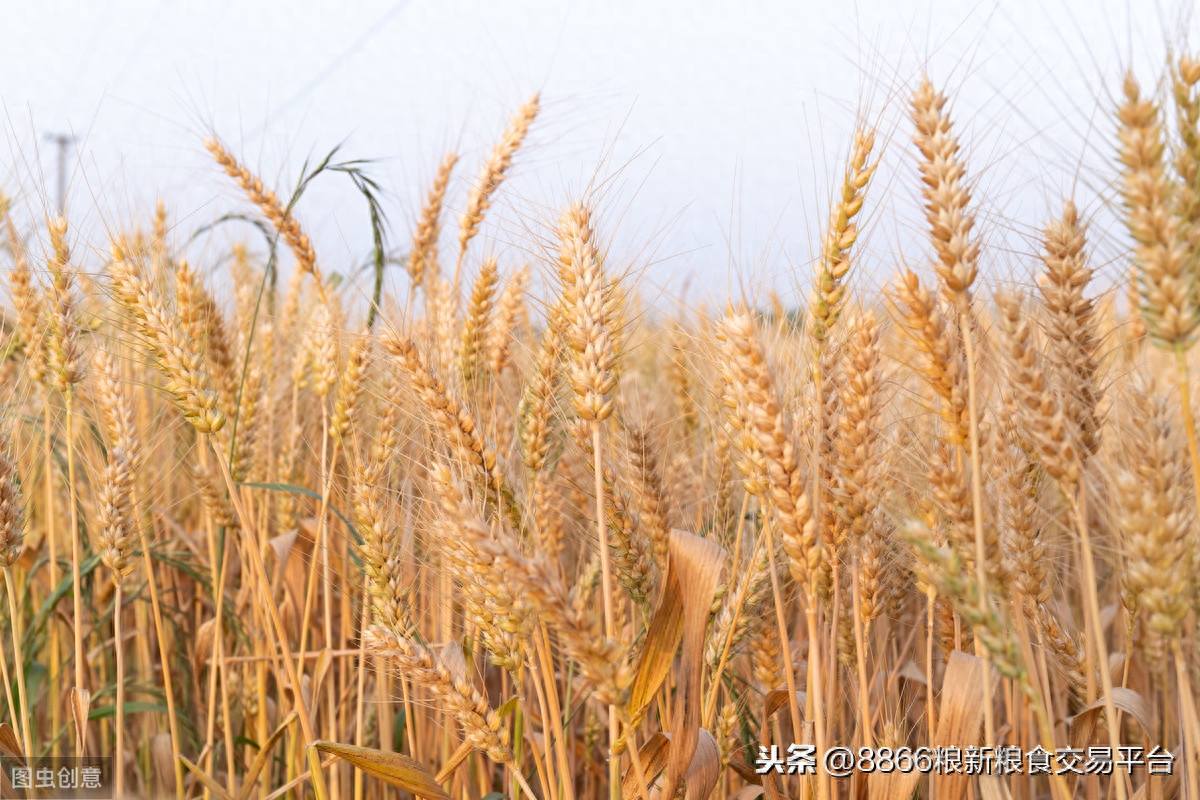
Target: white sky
<point>717,126</point>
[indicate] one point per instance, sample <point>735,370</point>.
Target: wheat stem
<point>119,748</point>
<point>263,585</point>
<point>23,718</point>
<point>76,557</point>
<point>1191,735</point>
<point>168,689</point>
<point>989,721</point>
<point>860,647</point>
<point>614,733</point>
<point>1092,606</point>
<point>52,552</point>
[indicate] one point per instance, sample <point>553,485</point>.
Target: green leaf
<point>104,712</point>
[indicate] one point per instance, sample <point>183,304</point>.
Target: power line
<point>334,64</point>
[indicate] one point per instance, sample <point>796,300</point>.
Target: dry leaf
<point>653,757</point>
<point>704,769</point>
<point>1084,724</point>
<point>9,745</point>
<point>658,653</point>
<point>775,700</point>
<point>695,566</point>
<point>993,787</point>
<point>217,789</point>
<point>961,718</point>
<point>203,645</point>
<point>80,701</point>
<point>264,755</point>
<point>750,792</point>
<point>398,770</point>
<point>162,760</point>
<point>702,772</point>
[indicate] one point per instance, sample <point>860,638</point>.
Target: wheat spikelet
<point>587,300</point>
<point>27,300</point>
<point>423,257</point>
<point>64,355</point>
<point>1023,546</point>
<point>213,497</point>
<point>450,418</point>
<point>1071,325</point>
<point>381,551</point>
<point>738,611</point>
<point>509,318</point>
<point>580,633</point>
<point>492,175</point>
<point>945,570</point>
<point>1155,517</point>
<point>322,351</point>
<point>765,653</point>
<point>769,433</point>
<point>250,422</point>
<point>830,292</point>
<point>1065,650</point>
<point>490,601</point>
<point>1170,292</point>
<point>943,366</point>
<point>1039,408</point>
<point>679,374</point>
<point>539,398</point>
<point>859,432</point>
<point>116,513</point>
<point>647,481</point>
<point>633,549</point>
<point>946,195</point>
<point>482,727</point>
<point>472,352</point>
<point>1185,85</point>
<point>350,388</point>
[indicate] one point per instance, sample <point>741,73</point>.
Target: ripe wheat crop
<point>508,530</point>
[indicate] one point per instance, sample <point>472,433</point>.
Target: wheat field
<point>515,532</point>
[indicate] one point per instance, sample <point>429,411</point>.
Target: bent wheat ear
<point>268,203</point>
<point>396,769</point>
<point>482,726</point>
<point>770,435</point>
<point>830,291</point>
<point>177,357</point>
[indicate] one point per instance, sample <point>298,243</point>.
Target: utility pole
<point>63,140</point>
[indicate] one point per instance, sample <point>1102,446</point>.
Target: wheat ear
<point>118,520</point>
<point>491,176</point>
<point>423,258</point>
<point>268,203</point>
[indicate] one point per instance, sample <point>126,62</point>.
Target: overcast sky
<point>714,129</point>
